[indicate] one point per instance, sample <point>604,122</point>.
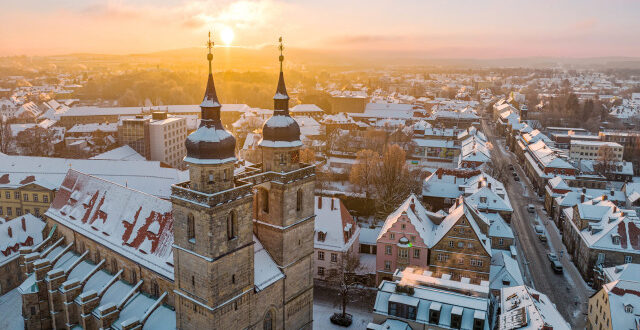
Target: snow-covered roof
<point>485,198</point>
<point>504,271</point>
<point>24,230</point>
<point>136,225</point>
<point>625,272</point>
<point>369,235</point>
<point>306,108</point>
<point>121,153</point>
<point>265,270</point>
<point>419,217</point>
<point>525,308</point>
<point>333,219</point>
<point>146,176</point>
<point>94,127</point>
<point>463,209</point>
<point>624,303</point>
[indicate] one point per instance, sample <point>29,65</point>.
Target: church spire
<point>281,99</point>
<point>210,106</point>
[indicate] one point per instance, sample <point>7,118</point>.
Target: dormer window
<point>616,240</point>
<point>321,236</point>
<point>628,308</point>
<point>483,199</point>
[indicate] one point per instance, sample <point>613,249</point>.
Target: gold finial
<point>281,48</point>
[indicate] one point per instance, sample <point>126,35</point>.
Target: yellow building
<point>24,196</point>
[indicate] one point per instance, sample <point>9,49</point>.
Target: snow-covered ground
<point>10,311</point>
<point>322,312</point>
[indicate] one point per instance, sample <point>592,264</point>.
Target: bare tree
<point>5,135</point>
<point>36,141</point>
<point>364,170</point>
<point>307,156</point>
<point>343,277</point>
<point>393,181</point>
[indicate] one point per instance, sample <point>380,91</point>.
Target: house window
<point>460,244</point>
<point>25,197</point>
<point>451,244</point>
<point>403,253</point>
<point>416,253</point>
<point>320,271</point>
<point>334,257</point>
<point>387,250</point>
<point>402,310</point>
<point>231,225</point>
<point>321,236</point>
<point>392,235</point>
<point>600,259</point>
<point>403,226</point>
<point>299,200</point>
<point>387,265</point>
<point>413,238</point>
<point>45,198</point>
<point>470,245</point>
<point>37,212</point>
<point>16,195</point>
<point>320,255</point>
<point>7,195</point>
<point>35,197</point>
<point>627,259</point>
<point>191,228</point>
<point>155,289</point>
<point>501,241</point>
<point>18,211</point>
<point>0,210</point>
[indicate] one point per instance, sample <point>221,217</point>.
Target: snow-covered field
<point>10,311</point>
<point>323,311</point>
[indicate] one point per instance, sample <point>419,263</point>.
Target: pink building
<point>336,233</point>
<point>404,238</point>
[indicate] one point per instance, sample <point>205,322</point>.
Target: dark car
<point>556,266</point>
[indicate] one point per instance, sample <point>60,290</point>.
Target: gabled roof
<point>134,224</point>
<point>558,183</point>
<point>622,295</point>
<point>491,200</point>
<point>458,212</point>
<point>333,219</point>
<point>14,235</point>
<point>420,218</point>
<point>523,300</point>
<point>504,268</point>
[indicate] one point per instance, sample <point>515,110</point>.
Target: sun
<point>226,35</point>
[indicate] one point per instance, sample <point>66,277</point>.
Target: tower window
<point>265,200</point>
<point>210,177</point>
<point>233,279</point>
<point>231,225</point>
<point>283,159</point>
<point>191,228</point>
<point>268,321</point>
<point>299,200</point>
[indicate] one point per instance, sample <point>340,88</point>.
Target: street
<point>568,290</point>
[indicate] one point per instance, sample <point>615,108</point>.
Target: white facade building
<point>583,150</point>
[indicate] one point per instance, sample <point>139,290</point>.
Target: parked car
<point>556,266</point>
<point>552,256</point>
<point>531,208</point>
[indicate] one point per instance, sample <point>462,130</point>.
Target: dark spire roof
<point>281,130</point>
<point>210,143</point>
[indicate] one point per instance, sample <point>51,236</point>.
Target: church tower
<point>284,209</point>
<point>213,238</point>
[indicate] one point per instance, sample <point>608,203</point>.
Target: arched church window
<point>231,225</point>
<point>299,200</point>
<point>267,324</point>
<point>264,197</point>
<point>191,228</point>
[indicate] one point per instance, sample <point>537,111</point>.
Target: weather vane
<point>281,48</point>
<point>210,56</point>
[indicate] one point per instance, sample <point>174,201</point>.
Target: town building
<point>592,150</point>
<point>336,237</point>
<point>456,244</point>
<point>615,305</point>
<point>522,307</point>
<point>417,299</point>
<point>157,137</point>
<point>597,233</point>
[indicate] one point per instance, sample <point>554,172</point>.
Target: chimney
<point>612,192</point>
<point>10,232</point>
<point>332,206</point>
<point>582,198</point>
<point>439,174</point>
<point>479,184</point>
<point>535,296</point>
<point>547,327</point>
<point>584,190</point>
<point>319,202</point>
<point>489,185</point>
<point>604,197</point>
<point>24,225</point>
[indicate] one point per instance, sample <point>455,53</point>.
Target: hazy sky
<point>462,28</point>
